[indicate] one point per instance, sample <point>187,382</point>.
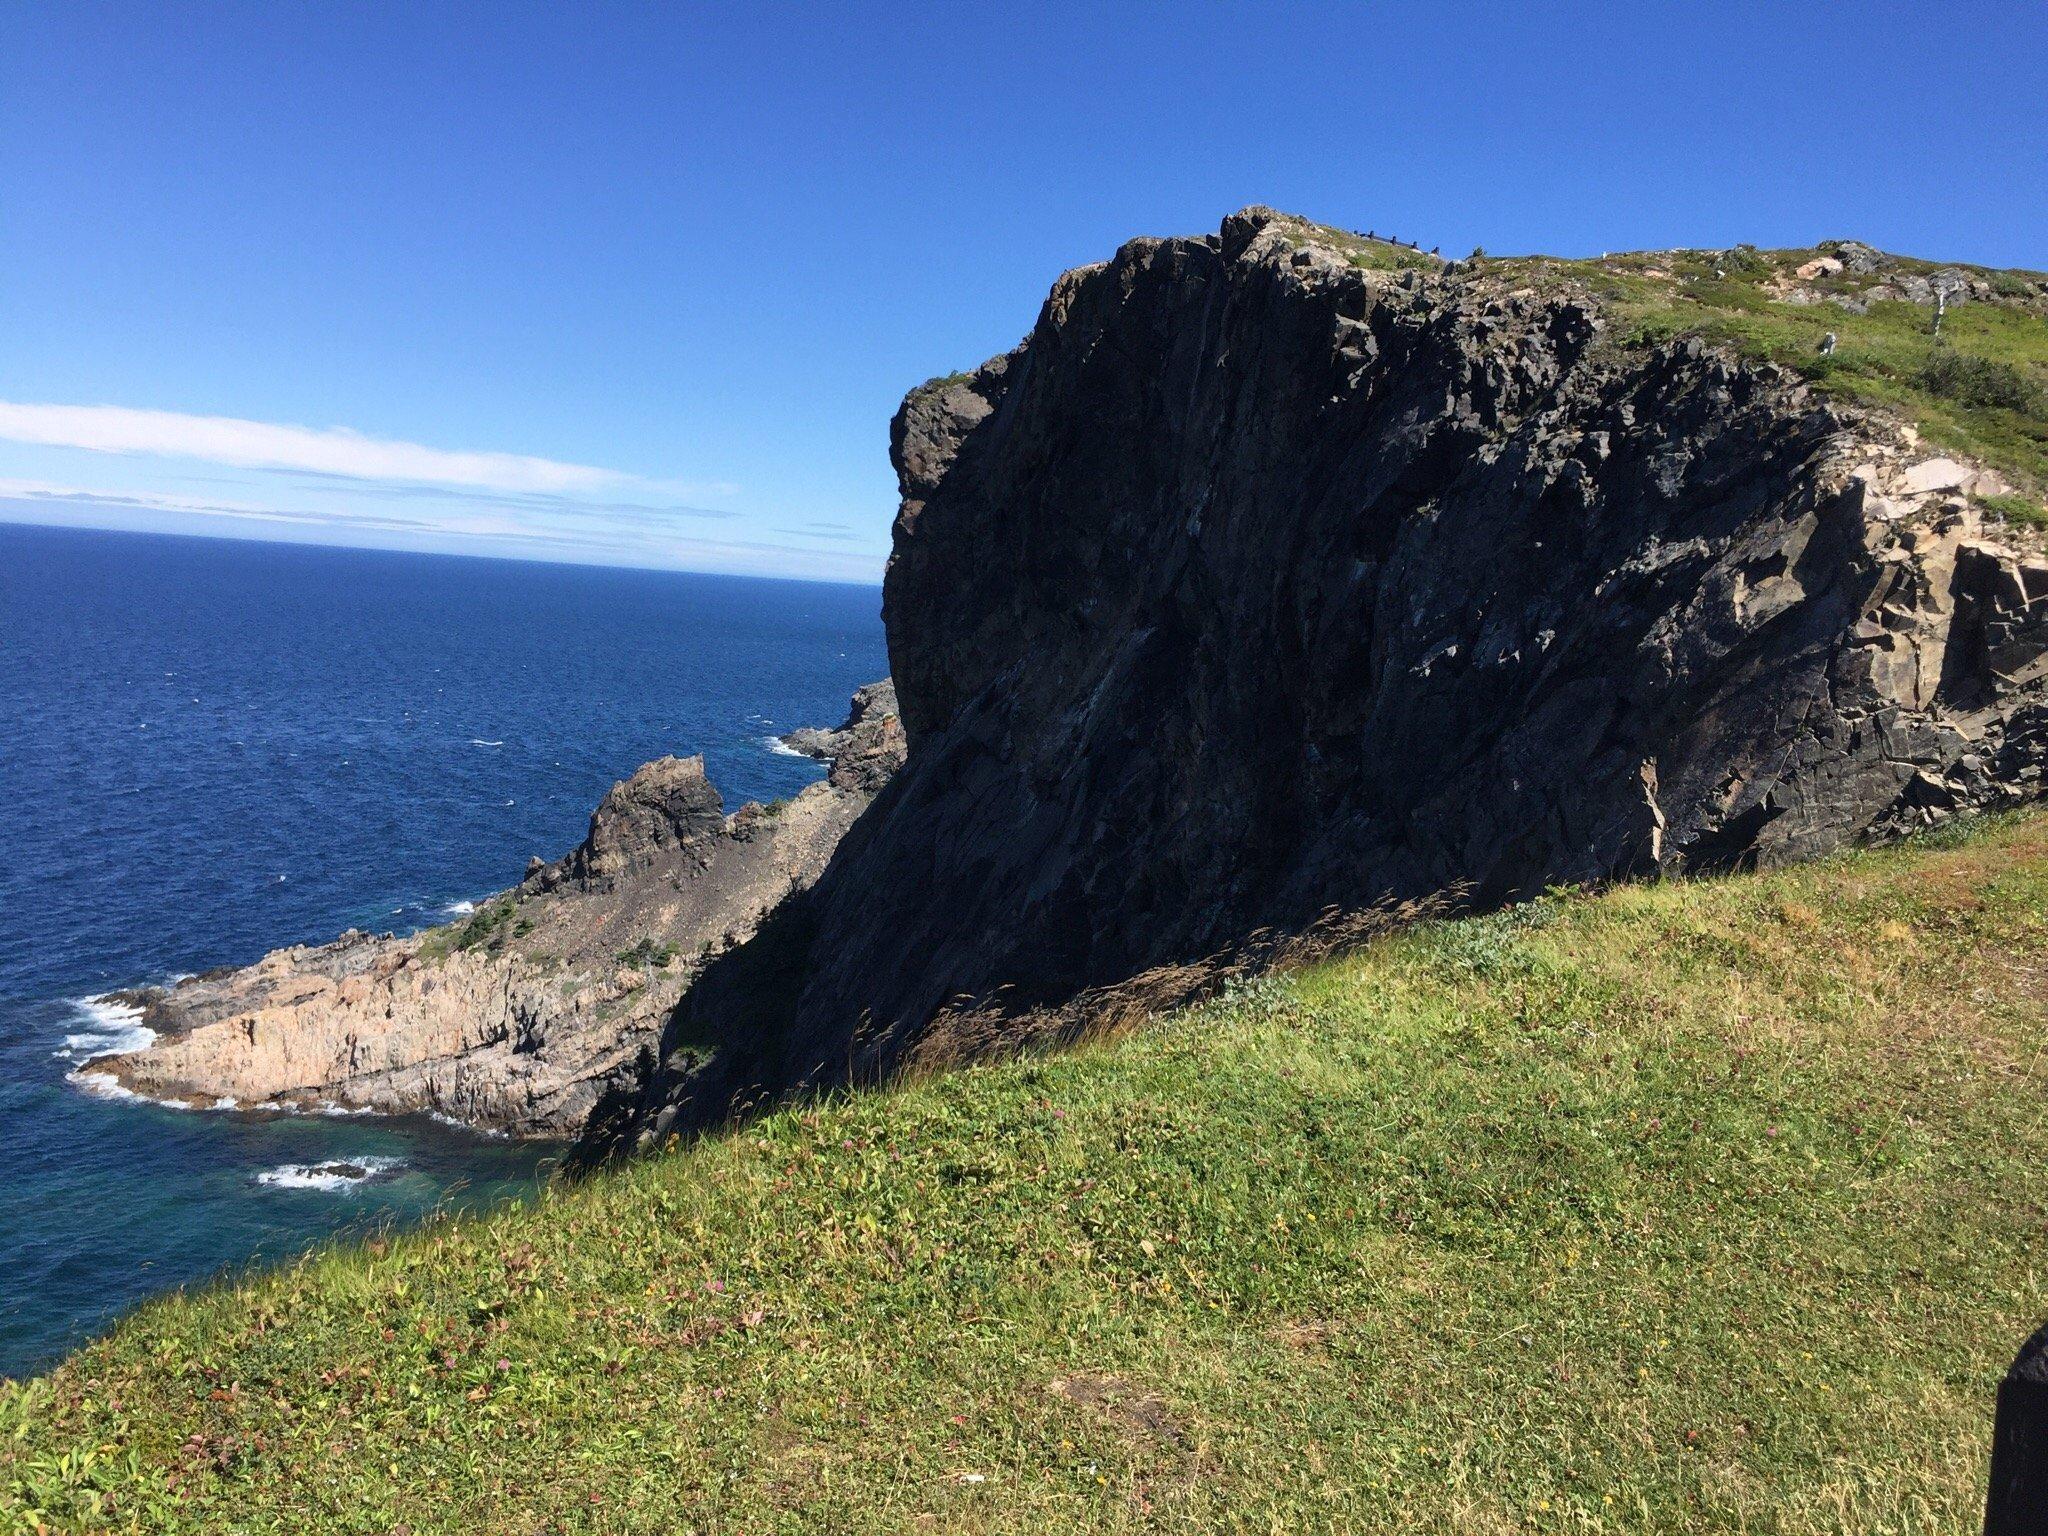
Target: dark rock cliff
<point>1257,580</point>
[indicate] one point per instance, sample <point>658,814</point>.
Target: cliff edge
<point>1276,571</point>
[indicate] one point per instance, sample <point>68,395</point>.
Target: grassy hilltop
<point>1701,1206</point>
<point>1979,388</point>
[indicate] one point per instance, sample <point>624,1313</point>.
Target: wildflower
<point>504,1365</point>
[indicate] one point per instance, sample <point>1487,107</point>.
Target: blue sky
<point>642,284</point>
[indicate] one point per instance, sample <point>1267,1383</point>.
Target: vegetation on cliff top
<point>1979,388</point>
<point>1699,1207</point>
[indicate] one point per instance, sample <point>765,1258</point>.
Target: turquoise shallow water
<point>210,748</point>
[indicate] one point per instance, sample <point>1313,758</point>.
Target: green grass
<point>2020,510</point>
<point>1980,389</point>
<point>495,924</point>
<point>1368,252</point>
<point>941,381</point>
<point>1689,1207</point>
<point>648,954</point>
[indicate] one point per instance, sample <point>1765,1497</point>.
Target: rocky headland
<point>1276,571</point>
<point>1280,569</point>
<point>521,1017</point>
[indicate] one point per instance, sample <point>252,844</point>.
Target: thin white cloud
<point>270,445</point>
<point>512,530</point>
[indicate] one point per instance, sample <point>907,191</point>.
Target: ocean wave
<point>458,909</point>
<point>113,1028</point>
<point>335,1176</point>
<point>478,741</point>
<point>327,1109</point>
<point>102,1085</point>
<point>780,747</point>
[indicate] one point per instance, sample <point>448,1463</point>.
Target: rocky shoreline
<point>1277,571</point>
<point>523,1016</point>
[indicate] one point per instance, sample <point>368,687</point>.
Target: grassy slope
<point>1882,358</point>
<point>1990,402</point>
<point>1705,1206</point>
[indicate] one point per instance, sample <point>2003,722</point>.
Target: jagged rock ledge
<point>1273,571</point>
<point>548,997</point>
<point>859,756</point>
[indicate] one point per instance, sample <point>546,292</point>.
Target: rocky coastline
<point>521,1017</point>
<point>1275,571</point>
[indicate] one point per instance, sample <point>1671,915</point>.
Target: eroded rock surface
<point>860,757</point>
<point>1258,579</point>
<point>550,995</point>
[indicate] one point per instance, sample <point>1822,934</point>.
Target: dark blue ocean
<point>211,748</point>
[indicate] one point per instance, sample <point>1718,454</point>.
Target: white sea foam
<point>478,741</point>
<point>104,1085</point>
<point>780,747</point>
<point>459,908</point>
<point>336,1176</point>
<point>112,1028</point>
<point>101,1085</point>
<point>326,1108</point>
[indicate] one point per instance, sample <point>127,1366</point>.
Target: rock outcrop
<point>547,997</point>
<point>860,757</point>
<point>665,812</point>
<point>1261,578</point>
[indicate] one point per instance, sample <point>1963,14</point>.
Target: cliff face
<point>549,997</point>
<point>1258,580</point>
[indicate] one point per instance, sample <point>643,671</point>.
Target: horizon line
<point>11,519</point>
